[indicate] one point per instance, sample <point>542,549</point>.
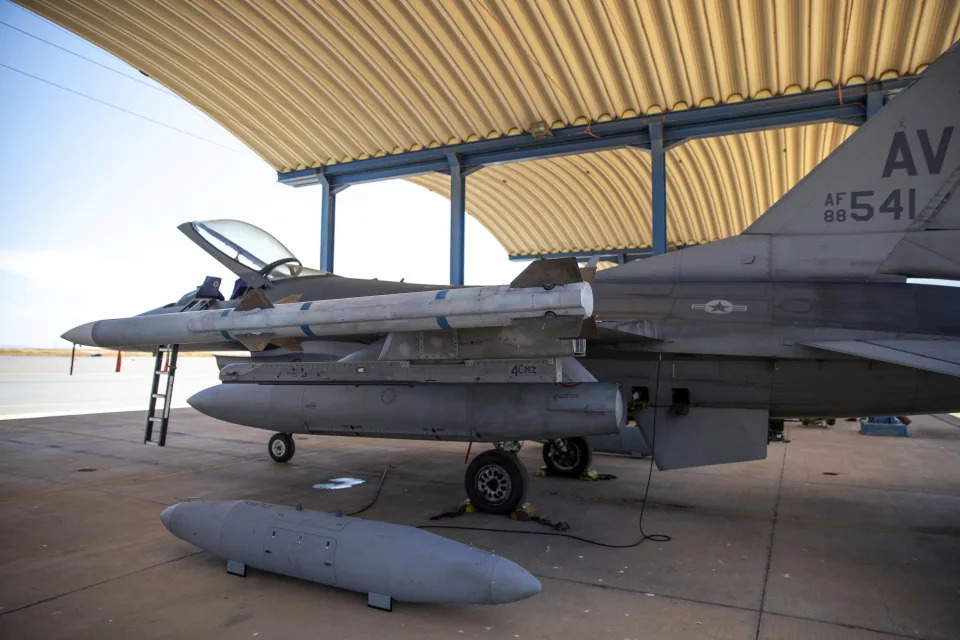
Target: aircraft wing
<point>939,356</point>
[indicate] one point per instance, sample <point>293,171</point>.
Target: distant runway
<point>36,386</point>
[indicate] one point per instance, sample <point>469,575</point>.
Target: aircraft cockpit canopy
<point>253,248</point>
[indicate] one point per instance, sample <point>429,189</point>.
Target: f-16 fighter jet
<point>808,312</point>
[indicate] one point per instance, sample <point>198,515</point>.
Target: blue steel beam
<point>328,223</point>
<point>874,103</point>
<point>611,255</point>
<point>658,189</point>
<point>739,117</point>
<point>458,206</point>
<point>617,255</point>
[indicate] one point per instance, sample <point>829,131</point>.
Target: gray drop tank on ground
<point>387,561</point>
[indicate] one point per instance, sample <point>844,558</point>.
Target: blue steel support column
<point>458,206</point>
<point>874,103</point>
<point>328,223</point>
<point>658,182</point>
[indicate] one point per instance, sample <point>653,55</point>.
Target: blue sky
<point>90,196</point>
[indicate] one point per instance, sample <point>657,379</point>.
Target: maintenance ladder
<point>163,419</point>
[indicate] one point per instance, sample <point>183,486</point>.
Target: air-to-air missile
<point>256,321</point>
<point>386,561</point>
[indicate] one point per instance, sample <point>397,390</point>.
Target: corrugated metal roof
<point>306,84</point>
<point>601,201</point>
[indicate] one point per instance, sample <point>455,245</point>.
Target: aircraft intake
<point>444,411</point>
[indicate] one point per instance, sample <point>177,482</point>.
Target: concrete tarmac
<point>834,535</point>
<point>37,386</point>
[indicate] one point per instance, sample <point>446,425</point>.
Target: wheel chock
<point>467,507</point>
<point>544,472</point>
<point>524,512</point>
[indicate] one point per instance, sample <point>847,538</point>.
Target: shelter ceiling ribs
<point>309,84</point>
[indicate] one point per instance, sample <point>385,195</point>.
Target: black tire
<point>775,430</point>
<point>496,482</point>
<point>281,447</point>
<point>567,457</point>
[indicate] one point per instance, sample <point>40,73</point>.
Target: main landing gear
<point>496,480</point>
<point>281,447</point>
<point>567,457</point>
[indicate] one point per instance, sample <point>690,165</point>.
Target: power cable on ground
<point>558,527</point>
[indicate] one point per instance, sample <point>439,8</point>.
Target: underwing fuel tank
<point>386,561</point>
<point>465,412</point>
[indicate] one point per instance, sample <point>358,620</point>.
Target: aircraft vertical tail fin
<point>883,204</point>
<point>888,176</point>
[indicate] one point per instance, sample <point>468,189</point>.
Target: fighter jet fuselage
<point>808,312</point>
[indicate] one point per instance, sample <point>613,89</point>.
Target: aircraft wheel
<point>775,430</point>
<point>281,447</point>
<point>567,457</point>
<point>496,482</point>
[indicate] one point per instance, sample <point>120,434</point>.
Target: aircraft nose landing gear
<point>496,481</point>
<point>281,447</point>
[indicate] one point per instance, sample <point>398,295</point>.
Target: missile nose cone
<point>511,582</point>
<point>166,516</point>
<point>81,335</point>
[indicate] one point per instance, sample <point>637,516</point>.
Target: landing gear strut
<point>496,481</point>
<point>281,447</point>
<point>567,457</point>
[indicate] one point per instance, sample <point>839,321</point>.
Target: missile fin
<point>253,343</point>
<point>290,299</point>
<point>588,274</point>
<point>589,330</point>
<point>550,326</point>
<point>548,273</point>
<point>290,344</point>
<point>254,299</point>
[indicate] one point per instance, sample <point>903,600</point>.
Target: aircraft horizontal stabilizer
<point>939,356</point>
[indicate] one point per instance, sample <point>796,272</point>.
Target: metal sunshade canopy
<point>325,90</point>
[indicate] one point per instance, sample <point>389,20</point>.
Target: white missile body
<point>464,308</point>
<point>387,561</point>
